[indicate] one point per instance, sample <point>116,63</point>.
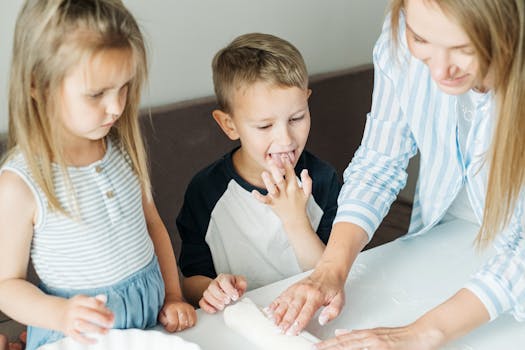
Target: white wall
<point>183,36</point>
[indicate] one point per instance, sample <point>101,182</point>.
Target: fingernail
<point>323,319</point>
<point>267,311</point>
<point>235,297</point>
<point>340,331</point>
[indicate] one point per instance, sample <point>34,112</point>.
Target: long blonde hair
<point>497,31</point>
<point>51,37</point>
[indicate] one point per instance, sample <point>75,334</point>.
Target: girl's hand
<point>285,196</point>
<point>83,314</point>
<point>177,315</point>
<point>222,290</point>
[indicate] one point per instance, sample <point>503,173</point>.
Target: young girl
<point>449,82</point>
<point>74,191</point>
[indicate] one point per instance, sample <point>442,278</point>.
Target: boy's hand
<point>82,315</point>
<point>222,290</point>
<point>285,196</point>
<point>177,315</point>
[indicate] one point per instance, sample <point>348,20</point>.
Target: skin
<point>443,46</point>
<point>93,96</point>
<point>272,124</point>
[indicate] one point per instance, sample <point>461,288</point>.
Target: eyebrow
<point>291,115</point>
<point>452,47</point>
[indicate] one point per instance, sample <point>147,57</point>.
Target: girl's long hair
<point>497,31</point>
<point>52,37</point>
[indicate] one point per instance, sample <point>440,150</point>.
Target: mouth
<point>454,82</point>
<point>279,157</point>
<point>108,125</point>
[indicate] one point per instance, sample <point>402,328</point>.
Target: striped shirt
<point>107,241</point>
<point>410,113</point>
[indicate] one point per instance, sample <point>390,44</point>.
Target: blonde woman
<point>74,191</point>
<point>449,82</point>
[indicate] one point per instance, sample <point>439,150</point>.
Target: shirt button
<point>98,169</point>
<point>110,194</point>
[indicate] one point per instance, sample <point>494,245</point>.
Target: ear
<point>226,123</point>
<point>308,93</point>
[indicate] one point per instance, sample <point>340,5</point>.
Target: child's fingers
<point>186,320</point>
<point>227,284</point>
<point>269,183</point>
<point>306,181</point>
<point>277,178</point>
<point>240,285</point>
<point>97,316</point>
<point>289,174</point>
<point>84,326</point>
<point>260,198</point>
<point>206,306</point>
<point>82,338</point>
<point>215,301</point>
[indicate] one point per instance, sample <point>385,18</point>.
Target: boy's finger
<point>306,181</point>
<point>278,178</point>
<point>261,198</point>
<point>269,184</point>
<point>241,284</point>
<point>227,285</point>
<point>206,306</point>
<point>216,302</point>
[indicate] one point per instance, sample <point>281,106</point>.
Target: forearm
<point>194,287</point>
<point>454,318</point>
<point>26,304</point>
<point>307,246</point>
<point>168,265</point>
<point>345,243</point>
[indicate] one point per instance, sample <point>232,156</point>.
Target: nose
<point>115,105</point>
<point>441,66</point>
<point>283,135</point>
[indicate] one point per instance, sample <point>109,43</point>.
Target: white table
<point>390,285</point>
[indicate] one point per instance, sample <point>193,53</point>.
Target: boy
<point>246,220</point>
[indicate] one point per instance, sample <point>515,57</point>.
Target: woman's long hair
<point>497,32</point>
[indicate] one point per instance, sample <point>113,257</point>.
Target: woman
<point>449,82</point>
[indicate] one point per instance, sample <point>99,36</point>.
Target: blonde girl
<point>449,83</point>
<point>74,189</point>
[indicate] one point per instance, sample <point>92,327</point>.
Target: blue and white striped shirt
<point>410,113</point>
<point>108,242</point>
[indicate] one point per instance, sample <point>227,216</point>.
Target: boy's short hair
<point>256,57</point>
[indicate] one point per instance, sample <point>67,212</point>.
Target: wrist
<point>429,333</point>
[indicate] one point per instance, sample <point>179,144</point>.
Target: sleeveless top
<point>105,239</point>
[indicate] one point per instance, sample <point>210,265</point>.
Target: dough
<point>126,339</point>
<point>248,320</point>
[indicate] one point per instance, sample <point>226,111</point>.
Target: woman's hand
<point>294,308</point>
<point>410,337</point>
<point>176,315</point>
<point>82,315</point>
<point>222,291</point>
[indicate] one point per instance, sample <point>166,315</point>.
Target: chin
<point>455,90</point>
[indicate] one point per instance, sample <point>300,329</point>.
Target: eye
<point>418,39</point>
<point>96,95</point>
<point>263,127</point>
<point>297,119</point>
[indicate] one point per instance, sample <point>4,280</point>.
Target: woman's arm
<point>452,319</point>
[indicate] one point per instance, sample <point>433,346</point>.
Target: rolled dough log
<point>247,319</point>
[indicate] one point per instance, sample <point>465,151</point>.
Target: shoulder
<point>388,55</point>
<point>16,197</point>
<point>212,175</point>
